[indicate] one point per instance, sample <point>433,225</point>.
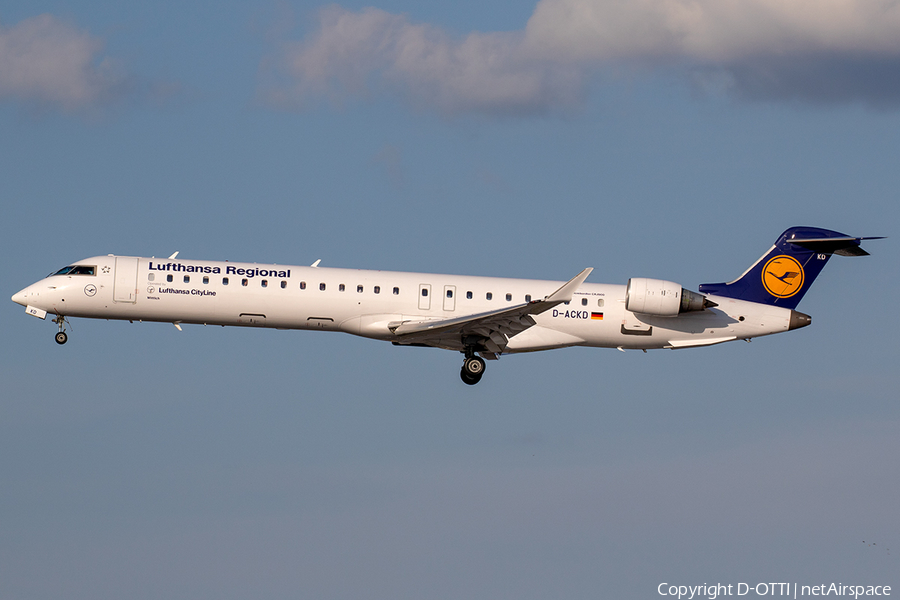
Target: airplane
<point>481,317</point>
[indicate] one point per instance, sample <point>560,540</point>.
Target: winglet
<point>316,264</point>
<point>173,256</point>
<point>564,294</point>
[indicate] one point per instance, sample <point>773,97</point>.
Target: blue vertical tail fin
<point>784,274</point>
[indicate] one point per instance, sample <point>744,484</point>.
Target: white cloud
<point>355,53</point>
<point>47,62</point>
<point>819,50</point>
<point>713,31</point>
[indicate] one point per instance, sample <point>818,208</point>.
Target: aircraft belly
<point>375,326</point>
<point>619,328</point>
<point>181,309</point>
<point>542,338</point>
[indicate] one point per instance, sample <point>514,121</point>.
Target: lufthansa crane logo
<point>783,276</point>
<point>90,289</point>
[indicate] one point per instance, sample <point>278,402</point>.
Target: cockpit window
<point>77,270</point>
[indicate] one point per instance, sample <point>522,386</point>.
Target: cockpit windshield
<point>76,270</point>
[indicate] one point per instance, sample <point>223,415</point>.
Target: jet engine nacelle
<point>662,298</point>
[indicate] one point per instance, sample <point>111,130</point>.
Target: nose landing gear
<point>61,337</point>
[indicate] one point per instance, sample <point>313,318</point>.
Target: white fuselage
<point>365,303</point>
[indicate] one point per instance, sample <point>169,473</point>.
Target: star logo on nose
<point>105,270</point>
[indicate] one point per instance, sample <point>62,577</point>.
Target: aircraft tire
<point>61,338</point>
<point>468,378</point>
<point>472,370</point>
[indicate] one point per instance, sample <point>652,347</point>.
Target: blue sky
<point>507,139</point>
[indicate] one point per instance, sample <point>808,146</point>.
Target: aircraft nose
<point>19,297</point>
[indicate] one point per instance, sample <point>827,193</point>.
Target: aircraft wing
<point>493,328</point>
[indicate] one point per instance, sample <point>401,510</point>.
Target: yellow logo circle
<point>782,276</point>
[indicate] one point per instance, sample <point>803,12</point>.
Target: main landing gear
<point>61,337</point>
<point>472,368</point>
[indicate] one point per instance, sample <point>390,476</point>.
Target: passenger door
<point>125,287</point>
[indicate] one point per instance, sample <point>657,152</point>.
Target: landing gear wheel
<point>474,365</point>
<point>61,337</point>
<point>472,370</point>
<point>468,379</point>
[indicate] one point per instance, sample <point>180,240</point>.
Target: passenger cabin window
<point>264,283</point>
<point>396,291</point>
<point>468,295</point>
<point>244,282</point>
<point>449,293</point>
<point>508,297</point>
<point>206,280</point>
<point>302,285</point>
<point>424,292</point>
<point>584,301</point>
<point>187,278</point>
<point>489,296</point>
<point>169,278</point>
<point>359,289</point>
<point>600,302</point>
<point>377,289</point>
<point>527,297</point>
<point>151,277</point>
<point>321,287</point>
<point>342,287</point>
<point>224,281</point>
<point>283,284</point>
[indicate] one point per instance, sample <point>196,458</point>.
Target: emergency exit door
<point>449,297</point>
<point>424,296</point>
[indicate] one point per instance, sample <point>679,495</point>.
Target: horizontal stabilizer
<point>842,246</point>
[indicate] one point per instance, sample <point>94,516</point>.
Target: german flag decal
<point>597,316</point>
